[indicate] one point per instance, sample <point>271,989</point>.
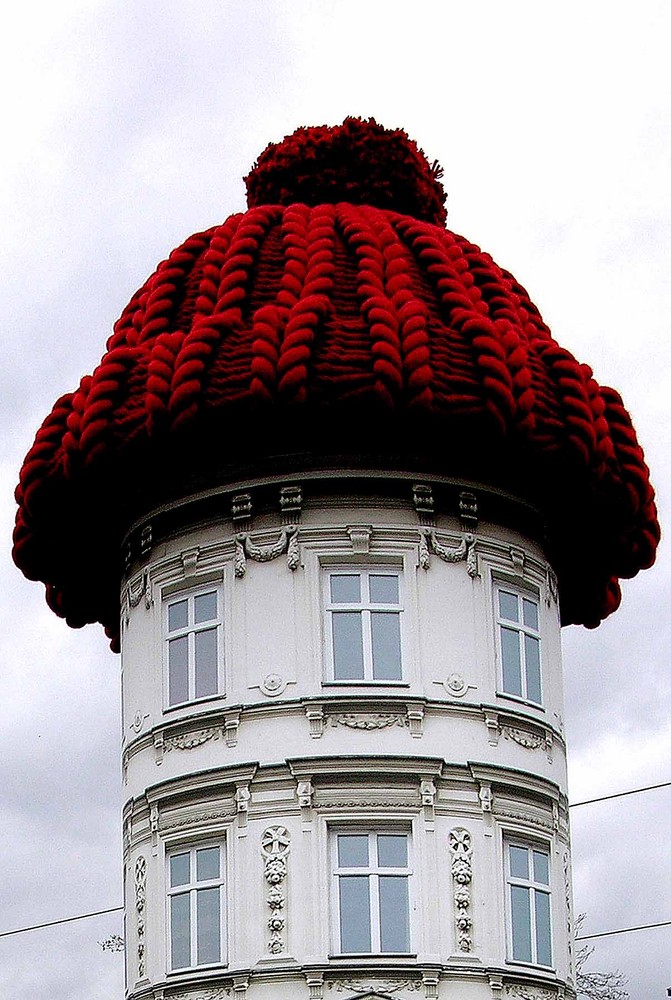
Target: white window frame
<point>192,888</point>
<point>190,631</point>
<point>365,607</point>
<point>533,887</point>
<point>373,872</point>
<point>522,630</point>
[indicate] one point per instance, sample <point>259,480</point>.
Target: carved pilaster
<point>140,907</point>
<point>275,844</point>
<point>462,875</point>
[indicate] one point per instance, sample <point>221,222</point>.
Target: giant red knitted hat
<point>336,317</point>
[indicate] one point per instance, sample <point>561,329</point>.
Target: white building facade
<point>343,749</point>
<point>343,488</point>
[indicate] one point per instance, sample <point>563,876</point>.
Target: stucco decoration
<point>245,549</point>
<point>463,552</point>
<point>275,845</point>
<point>522,992</point>
<point>384,987</point>
<point>461,869</point>
<point>141,906</point>
<point>369,720</point>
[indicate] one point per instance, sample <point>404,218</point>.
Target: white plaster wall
<point>218,768</point>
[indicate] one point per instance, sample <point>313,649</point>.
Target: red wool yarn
<point>336,316</point>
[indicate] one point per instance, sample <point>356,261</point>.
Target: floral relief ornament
<point>462,873</point>
<point>275,844</point>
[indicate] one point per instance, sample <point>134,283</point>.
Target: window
<point>364,627</point>
<point>528,877</point>
<point>193,631</point>
<point>196,906</point>
<point>519,643</point>
<point>372,873</point>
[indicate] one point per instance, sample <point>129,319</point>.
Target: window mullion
<point>367,644</point>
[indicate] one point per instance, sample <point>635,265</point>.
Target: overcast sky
<point>127,126</point>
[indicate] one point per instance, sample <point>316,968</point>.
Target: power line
<point>63,920</point>
<point>573,805</point>
<point>623,930</point>
<point>619,795</point>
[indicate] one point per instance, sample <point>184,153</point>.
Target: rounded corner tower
<point>330,491</point>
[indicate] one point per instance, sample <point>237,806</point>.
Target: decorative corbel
<point>159,747</point>
<point>291,504</point>
<point>485,796</point>
<point>423,502</point>
<point>493,727</point>
<point>517,557</point>
<point>415,713</point>
<point>146,541</point>
<point>468,511</point>
<point>231,726</point>
<point>242,797</point>
<point>315,716</point>
<point>153,827</point>
<point>241,509</point>
<point>305,793</point>
<point>190,560</point>
<point>359,536</point>
<point>427,792</point>
<point>315,983</point>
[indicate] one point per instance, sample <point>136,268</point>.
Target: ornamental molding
<point>140,907</point>
<point>368,803</point>
<point>237,989</point>
<point>525,817</point>
<point>246,549</point>
<point>456,685</point>
<point>529,740</point>
<point>196,819</point>
<point>464,552</point>
<point>320,717</point>
<point>461,869</point>
<point>384,987</point>
<point>275,846</point>
<point>165,742</point>
<point>368,720</point>
<point>521,992</point>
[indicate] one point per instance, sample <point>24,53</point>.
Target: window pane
<point>510,654</point>
<point>346,588</point>
<point>385,630</point>
<point>354,913</point>
<point>519,862</point>
<point>392,850</point>
<point>179,869</point>
<point>543,936</point>
<point>178,615</point>
<point>208,926</point>
<point>352,851</point>
<point>205,607</point>
<point>178,670</point>
<point>521,920</point>
<point>207,863</point>
<point>206,662</point>
<point>530,613</point>
<point>180,931</point>
<point>383,589</point>
<point>532,656</point>
<point>394,915</point>
<point>347,645</point>
<point>508,606</point>
<point>541,867</point>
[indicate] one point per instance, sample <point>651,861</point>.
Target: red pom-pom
<point>359,161</point>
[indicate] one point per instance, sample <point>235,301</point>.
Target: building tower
<point>332,491</point>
